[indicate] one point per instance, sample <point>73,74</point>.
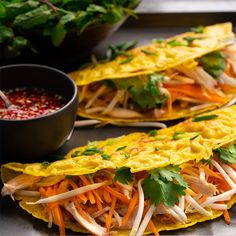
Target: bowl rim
<point>66,76</point>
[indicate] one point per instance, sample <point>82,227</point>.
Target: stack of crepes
<point>143,182</point>
<point>169,79</point>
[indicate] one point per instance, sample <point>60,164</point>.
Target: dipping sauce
<point>30,103</point>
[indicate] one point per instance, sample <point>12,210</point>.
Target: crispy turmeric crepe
<point>179,77</point>
<point>139,183</point>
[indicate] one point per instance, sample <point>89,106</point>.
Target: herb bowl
<point>29,140</point>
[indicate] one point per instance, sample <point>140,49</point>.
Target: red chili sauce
<point>30,103</point>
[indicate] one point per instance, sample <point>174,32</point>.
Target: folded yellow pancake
<point>142,182</point>
<point>181,76</point>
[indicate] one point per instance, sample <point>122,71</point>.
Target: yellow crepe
<point>214,37</point>
<point>198,141</point>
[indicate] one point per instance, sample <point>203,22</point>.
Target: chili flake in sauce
<point>30,103</point>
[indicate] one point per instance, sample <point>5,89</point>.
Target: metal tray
<point>15,221</point>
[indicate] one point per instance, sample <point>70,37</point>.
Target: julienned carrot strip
<point>153,228</point>
<point>90,193</point>
<point>82,197</point>
<point>117,194</point>
<point>56,210</point>
<point>98,202</point>
<point>131,207</point>
<point>211,172</point>
<point>106,196</point>
<point>203,199</point>
<point>226,216</point>
<point>111,211</point>
<point>193,91</point>
<point>233,166</point>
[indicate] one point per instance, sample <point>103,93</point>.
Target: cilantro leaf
<point>201,118</point>
<point>105,156</point>
<point>123,175</point>
<point>228,154</point>
<point>127,60</point>
<point>164,184</point>
<point>147,93</point>
<point>191,39</point>
<point>213,63</point>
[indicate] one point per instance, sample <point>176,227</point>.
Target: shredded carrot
<point>117,194</point>
<point>211,172</point>
<point>193,91</point>
<point>111,211</point>
<point>131,207</point>
<point>106,196</point>
<point>227,88</point>
<point>202,199</point>
<point>56,210</point>
<point>153,228</point>
<point>226,216</point>
<point>81,196</point>
<point>233,166</point>
<point>90,193</point>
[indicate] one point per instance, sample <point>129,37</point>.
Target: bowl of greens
<point>57,32</point>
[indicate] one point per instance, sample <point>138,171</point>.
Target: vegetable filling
<point>109,200</point>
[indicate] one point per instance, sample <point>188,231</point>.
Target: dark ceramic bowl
<point>32,139</point>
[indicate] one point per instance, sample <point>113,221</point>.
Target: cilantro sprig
<point>164,184</point>
<point>123,175</point>
<point>213,63</point>
<point>227,154</point>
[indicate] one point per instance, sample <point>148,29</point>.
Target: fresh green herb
<point>120,49</point>
<point>128,60</point>
<point>92,151</point>
<point>177,135</point>
<point>127,155</point>
<point>152,133</point>
<point>105,156</point>
<point>164,184</point>
<point>148,52</point>
<point>75,154</point>
<point>56,18</point>
<point>191,39</point>
<point>123,175</point>
<point>228,154</point>
<point>174,43</point>
<point>199,30</point>
<point>195,136</point>
<point>45,164</point>
<point>213,63</point>
<point>208,117</point>
<point>159,40</point>
<point>147,93</point>
<point>120,148</point>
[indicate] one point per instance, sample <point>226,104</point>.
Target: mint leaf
<point>228,154</point>
<point>58,35</point>
<point>6,33</point>
<point>123,175</point>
